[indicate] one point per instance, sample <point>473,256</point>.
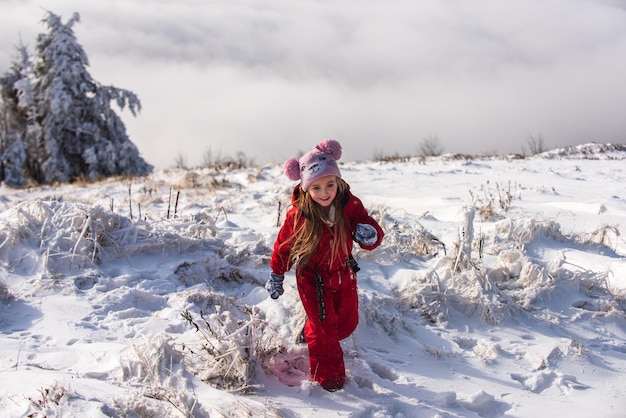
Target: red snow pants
<point>329,321</point>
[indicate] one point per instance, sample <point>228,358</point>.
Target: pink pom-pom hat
<point>315,164</point>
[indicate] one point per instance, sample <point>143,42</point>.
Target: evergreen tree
<point>64,118</point>
<point>16,104</point>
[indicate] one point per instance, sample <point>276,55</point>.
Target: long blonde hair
<point>307,233</point>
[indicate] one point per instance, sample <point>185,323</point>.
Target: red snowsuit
<point>328,292</point>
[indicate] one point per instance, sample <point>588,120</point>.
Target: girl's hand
<point>274,285</point>
<point>365,234</point>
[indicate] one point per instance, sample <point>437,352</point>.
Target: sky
<point>270,78</point>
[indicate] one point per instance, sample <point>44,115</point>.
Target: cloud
<point>270,78</point>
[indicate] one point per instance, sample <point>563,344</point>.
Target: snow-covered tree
<point>16,102</point>
<point>14,163</point>
<point>64,117</point>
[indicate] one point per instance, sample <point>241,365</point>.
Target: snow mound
<point>590,151</point>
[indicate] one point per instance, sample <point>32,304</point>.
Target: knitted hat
<point>315,164</point>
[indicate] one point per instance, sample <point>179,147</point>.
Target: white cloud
<point>271,78</point>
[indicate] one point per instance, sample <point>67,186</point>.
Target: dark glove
<point>365,234</point>
<point>274,285</point>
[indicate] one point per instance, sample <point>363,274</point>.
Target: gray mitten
<point>274,285</point>
<point>365,234</point>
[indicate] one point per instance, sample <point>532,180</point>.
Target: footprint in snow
<point>384,372</point>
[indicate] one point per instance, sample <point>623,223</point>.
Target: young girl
<point>317,237</point>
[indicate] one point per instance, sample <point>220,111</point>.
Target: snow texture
<point>146,297</point>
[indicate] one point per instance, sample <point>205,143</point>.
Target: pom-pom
<point>292,169</point>
<point>330,146</point>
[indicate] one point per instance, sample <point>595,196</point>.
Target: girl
<point>317,237</point>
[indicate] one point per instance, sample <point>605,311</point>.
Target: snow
<point>98,306</point>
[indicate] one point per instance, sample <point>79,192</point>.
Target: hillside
<point>144,297</point>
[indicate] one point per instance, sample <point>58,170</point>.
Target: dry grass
<point>493,201</point>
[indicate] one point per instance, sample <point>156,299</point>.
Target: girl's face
<point>323,190</point>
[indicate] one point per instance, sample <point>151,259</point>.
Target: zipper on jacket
<point>320,296</point>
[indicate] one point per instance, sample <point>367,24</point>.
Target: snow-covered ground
<point>499,291</point>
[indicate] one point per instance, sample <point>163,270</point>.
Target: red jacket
<point>353,213</point>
